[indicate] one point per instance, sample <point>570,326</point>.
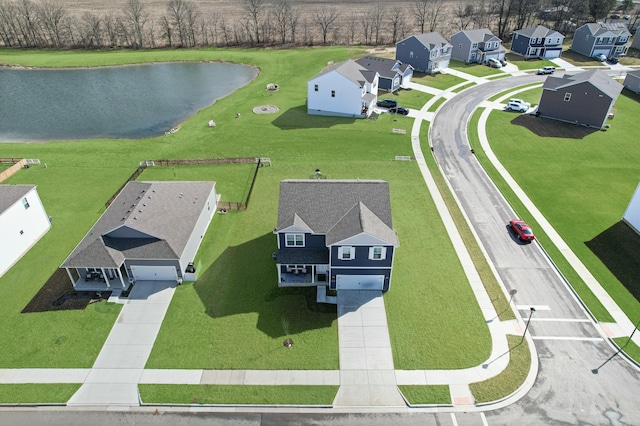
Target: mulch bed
<point>58,294</point>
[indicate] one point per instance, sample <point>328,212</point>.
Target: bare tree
<point>27,19</point>
<point>281,13</point>
<point>324,18</point>
<point>524,12</point>
<point>481,14</point>
<point>255,10</point>
<point>181,18</point>
<point>463,12</point>
<point>113,30</point>
<point>365,23</point>
<point>502,8</point>
<point>428,13</point>
<point>192,19</point>
<point>294,19</point>
<point>600,8</point>
<point>419,11</point>
<point>8,30</point>
<point>397,20</point>
<point>51,15</point>
<point>376,14</point>
<point>166,30</point>
<point>135,18</point>
<point>435,13</point>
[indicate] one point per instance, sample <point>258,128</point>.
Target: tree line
<point>182,24</point>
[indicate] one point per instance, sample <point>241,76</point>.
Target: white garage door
<point>359,282</point>
<point>154,273</point>
<point>552,54</point>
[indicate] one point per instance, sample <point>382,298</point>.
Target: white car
<point>518,105</point>
<point>494,63</point>
<point>546,70</point>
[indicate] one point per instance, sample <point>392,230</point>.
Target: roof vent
<point>135,218</point>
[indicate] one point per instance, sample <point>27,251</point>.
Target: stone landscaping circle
<point>266,109</point>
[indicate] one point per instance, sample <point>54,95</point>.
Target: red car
<point>522,230</point>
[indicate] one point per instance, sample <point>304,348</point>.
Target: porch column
<point>71,277</point>
<point>313,274</point>
<point>106,279</point>
<point>279,273</point>
<point>120,276</point>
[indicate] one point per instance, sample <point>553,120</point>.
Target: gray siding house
<point>608,39</point>
<point>150,232</point>
<point>537,42</point>
<point>585,98</point>
<point>635,43</point>
<point>392,74</point>
<point>428,52</point>
<point>632,81</point>
<point>335,234</point>
<point>472,46</point>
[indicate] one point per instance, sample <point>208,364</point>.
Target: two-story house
<point>392,73</point>
<point>608,39</point>
<point>345,89</point>
<point>585,98</point>
<point>428,52</point>
<point>335,234</point>
<point>471,46</point>
<point>537,42</point>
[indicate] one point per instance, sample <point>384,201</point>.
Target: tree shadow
<point>549,128</point>
<point>618,247</point>
<point>243,279</point>
<point>298,118</point>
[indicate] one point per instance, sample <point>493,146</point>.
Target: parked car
<point>600,57</point>
<point>503,62</point>
<point>521,230</point>
<point>517,105</point>
<point>399,110</point>
<point>612,59</point>
<point>494,63</point>
<point>627,17</point>
<point>615,16</point>
<point>546,70</point>
<point>387,103</point>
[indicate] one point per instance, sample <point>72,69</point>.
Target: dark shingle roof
<point>338,208</point>
<point>479,35</point>
<point>304,256</point>
<point>161,215</point>
<point>387,68</point>
<point>596,77</point>
<point>351,70</point>
<point>599,28</point>
<point>9,194</point>
<point>536,32</point>
<point>432,40</point>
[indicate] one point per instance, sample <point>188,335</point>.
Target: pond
<point>133,101</point>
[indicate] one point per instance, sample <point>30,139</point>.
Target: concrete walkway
<point>114,377</point>
<point>561,63</point>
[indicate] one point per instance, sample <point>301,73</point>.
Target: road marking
<point>561,319</point>
<point>584,339</point>
<point>454,420</point>
<point>484,419</point>
<point>536,307</point>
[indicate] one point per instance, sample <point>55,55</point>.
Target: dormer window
<point>294,240</point>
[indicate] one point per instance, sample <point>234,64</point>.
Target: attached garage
<point>154,273</point>
<point>359,282</point>
<point>604,52</point>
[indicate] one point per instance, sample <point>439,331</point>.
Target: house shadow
<point>243,279</point>
<point>298,118</point>
<point>549,128</point>
<point>618,247</point>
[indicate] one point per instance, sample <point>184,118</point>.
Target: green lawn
<point>579,59</point>
<point>479,70</point>
<point>426,395</point>
<point>53,393</point>
<point>593,174</point>
<point>234,395</point>
<point>510,379</point>
<point>527,64</point>
<point>436,104</point>
<point>438,81</point>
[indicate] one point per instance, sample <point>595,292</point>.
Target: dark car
<point>612,60</point>
<point>387,103</point>
<point>503,62</point>
<point>522,230</point>
<point>399,110</point>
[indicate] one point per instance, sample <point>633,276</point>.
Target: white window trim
<point>352,253</point>
<point>567,97</point>
<point>383,254</point>
<point>25,203</point>
<point>295,239</point>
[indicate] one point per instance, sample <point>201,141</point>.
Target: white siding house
<point>23,221</point>
<point>346,89</point>
<point>632,214</point>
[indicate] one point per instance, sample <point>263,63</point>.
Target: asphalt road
<point>569,346</point>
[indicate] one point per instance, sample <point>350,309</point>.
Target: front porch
<point>98,279</point>
<point>302,275</point>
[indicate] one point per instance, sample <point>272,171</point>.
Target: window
<point>567,97</point>
<point>25,203</point>
<point>315,88</point>
<point>294,240</point>
<point>333,93</point>
<point>21,232</point>
<point>346,253</point>
<point>411,54</point>
<point>460,46</point>
<point>474,45</point>
<point>377,253</point>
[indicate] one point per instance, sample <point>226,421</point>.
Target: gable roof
<point>598,28</point>
<point>634,73</point>
<point>385,67</point>
<point>539,31</point>
<point>480,35</point>
<point>597,78</point>
<point>351,70</point>
<point>338,208</point>
<point>9,194</point>
<point>147,220</point>
<point>431,40</point>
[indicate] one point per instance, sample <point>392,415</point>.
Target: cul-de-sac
<point>420,212</point>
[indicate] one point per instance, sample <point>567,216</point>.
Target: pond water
<point>136,101</point>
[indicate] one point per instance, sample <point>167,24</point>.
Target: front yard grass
<point>579,59</point>
<point>479,70</point>
<point>438,81</point>
<point>426,395</point>
<point>593,175</point>
<point>527,64</point>
<point>238,394</point>
<point>51,393</point>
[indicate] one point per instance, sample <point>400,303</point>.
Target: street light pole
<point>532,310</point>
<point>512,293</point>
